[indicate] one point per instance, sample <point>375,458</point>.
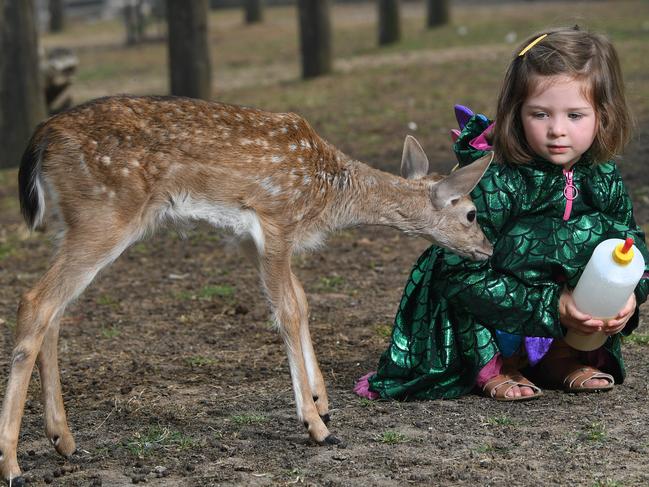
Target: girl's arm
<point>620,210</point>
<point>495,297</point>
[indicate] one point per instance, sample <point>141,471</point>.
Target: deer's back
<point>129,152</point>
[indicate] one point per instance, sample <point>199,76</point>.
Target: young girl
<point>554,195</point>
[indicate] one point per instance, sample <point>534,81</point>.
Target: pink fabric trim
<point>492,369</point>
<point>570,192</point>
<point>362,387</point>
<point>480,142</point>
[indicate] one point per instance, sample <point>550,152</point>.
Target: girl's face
<point>559,121</point>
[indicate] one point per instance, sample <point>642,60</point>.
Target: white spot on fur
<point>292,147</point>
<point>134,163</point>
<point>270,187</point>
<point>125,172</point>
<point>277,159</point>
<point>245,142</point>
<point>105,160</point>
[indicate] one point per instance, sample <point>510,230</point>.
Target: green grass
<point>638,339</point>
<point>7,249</point>
<point>384,331</point>
<point>330,283</point>
<point>392,437</point>
<point>608,483</point>
<point>249,418</point>
<point>107,300</point>
<point>595,432</point>
<point>158,438</point>
<point>501,420</point>
<point>111,332</point>
<point>224,291</point>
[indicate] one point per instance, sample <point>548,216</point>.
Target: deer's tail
<point>30,179</point>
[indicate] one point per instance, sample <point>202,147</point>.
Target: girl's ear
<point>460,183</point>
<point>414,163</point>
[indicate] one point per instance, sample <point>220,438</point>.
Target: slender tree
<point>315,37</point>
<point>22,101</point>
<point>389,22</point>
<point>189,58</point>
<point>57,15</point>
<point>438,13</point>
<point>254,11</point>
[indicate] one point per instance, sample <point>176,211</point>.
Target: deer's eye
<point>470,216</point>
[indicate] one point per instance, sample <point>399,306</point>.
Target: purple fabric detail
<point>480,142</point>
<point>362,387</point>
<point>455,134</point>
<point>462,115</point>
<point>492,369</point>
<point>536,348</point>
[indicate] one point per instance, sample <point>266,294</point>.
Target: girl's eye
<point>575,116</point>
<point>539,115</point>
<point>470,216</point>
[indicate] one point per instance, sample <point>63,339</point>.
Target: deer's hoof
<point>325,418</point>
<point>331,440</point>
<point>16,482</point>
<point>64,445</point>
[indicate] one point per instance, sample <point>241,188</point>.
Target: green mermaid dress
<point>452,309</point>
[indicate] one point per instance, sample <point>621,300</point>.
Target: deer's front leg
<point>56,425</point>
<point>276,274</point>
<point>314,375</point>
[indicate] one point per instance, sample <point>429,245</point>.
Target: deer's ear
<point>460,183</point>
<point>414,163</point>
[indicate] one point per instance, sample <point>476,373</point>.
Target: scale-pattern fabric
<point>444,330</point>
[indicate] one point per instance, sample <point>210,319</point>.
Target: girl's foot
<point>511,386</point>
<point>573,376</point>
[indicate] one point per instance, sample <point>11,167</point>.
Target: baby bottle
<point>611,275</point>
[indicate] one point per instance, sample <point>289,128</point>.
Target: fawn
<point>118,167</point>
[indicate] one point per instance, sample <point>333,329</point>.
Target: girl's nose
<point>556,129</point>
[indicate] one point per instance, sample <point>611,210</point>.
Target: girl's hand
<point>617,324</point>
<point>574,319</point>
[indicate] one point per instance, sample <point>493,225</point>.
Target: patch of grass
<point>159,438</point>
<point>330,283</point>
<point>384,331</point>
<point>392,437</point>
<point>595,432</point>
<point>638,339</point>
<point>107,300</point>
<point>200,361</point>
<point>249,418</point>
<point>224,291</point>
<point>501,420</point>
<point>7,249</point>
<point>111,332</point>
<point>366,403</point>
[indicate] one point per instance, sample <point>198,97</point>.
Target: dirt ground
<point>173,376</point>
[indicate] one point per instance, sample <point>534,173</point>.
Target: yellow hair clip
<point>532,44</point>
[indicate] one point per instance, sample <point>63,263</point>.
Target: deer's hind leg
<point>83,253</point>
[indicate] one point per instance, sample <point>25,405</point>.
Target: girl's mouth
<point>558,149</point>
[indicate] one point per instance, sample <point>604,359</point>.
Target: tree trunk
<point>254,11</point>
<point>22,101</point>
<point>189,57</point>
<point>389,22</point>
<point>134,21</point>
<point>438,13</point>
<point>315,37</point>
<point>57,16</point>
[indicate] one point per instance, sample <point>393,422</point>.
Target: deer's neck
<point>373,197</point>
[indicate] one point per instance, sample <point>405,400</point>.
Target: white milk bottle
<point>611,275</point>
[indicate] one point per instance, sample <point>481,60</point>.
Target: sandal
<point>498,386</point>
<point>570,375</point>
<point>575,380</point>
